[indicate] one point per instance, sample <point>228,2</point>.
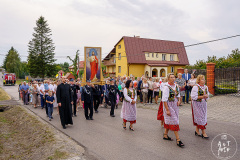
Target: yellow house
<point>141,56</point>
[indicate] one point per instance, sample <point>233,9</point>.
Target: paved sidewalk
<point>222,108</point>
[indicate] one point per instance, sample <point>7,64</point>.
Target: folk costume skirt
<point>199,114</point>
<point>171,122</point>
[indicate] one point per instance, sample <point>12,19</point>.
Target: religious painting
<point>93,63</point>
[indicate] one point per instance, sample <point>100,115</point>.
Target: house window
<point>147,54</point>
<point>172,69</point>
<point>171,57</point>
<point>114,59</point>
<point>119,69</point>
<point>157,55</point>
<point>152,54</point>
<point>119,56</point>
<point>164,57</point>
<point>119,46</point>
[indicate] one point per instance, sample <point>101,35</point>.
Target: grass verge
<point>23,136</point>
<point>3,95</point>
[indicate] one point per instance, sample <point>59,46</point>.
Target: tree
<point>24,70</point>
<point>41,51</point>
<point>232,60</point>
<point>12,62</point>
<point>75,63</point>
<point>64,66</point>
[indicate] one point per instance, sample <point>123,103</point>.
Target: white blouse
<point>166,92</point>
<point>194,93</point>
<point>129,99</point>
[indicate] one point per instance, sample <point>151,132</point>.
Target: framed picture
<point>92,56</point>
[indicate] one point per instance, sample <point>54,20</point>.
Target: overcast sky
<point>101,23</point>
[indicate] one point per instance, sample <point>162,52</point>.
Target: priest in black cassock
<point>65,101</point>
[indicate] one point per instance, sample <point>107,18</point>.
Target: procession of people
<point>68,95</point>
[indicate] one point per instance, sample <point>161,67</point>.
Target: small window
<point>157,55</point>
<point>119,56</point>
<point>152,54</point>
<point>114,59</point>
<point>172,69</point>
<point>171,57</point>
<point>164,57</point>
<point>119,69</point>
<point>119,46</point>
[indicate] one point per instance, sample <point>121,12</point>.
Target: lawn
<point>23,136</point>
<point>3,95</point>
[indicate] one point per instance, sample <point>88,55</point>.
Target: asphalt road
<point>104,137</point>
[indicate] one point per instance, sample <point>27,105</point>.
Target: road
<point>104,137</point>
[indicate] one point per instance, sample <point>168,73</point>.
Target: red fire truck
<point>9,79</point>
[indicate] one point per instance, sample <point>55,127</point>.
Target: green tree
<point>12,62</point>
<point>24,70</point>
<point>64,66</point>
<point>41,51</point>
<point>75,63</point>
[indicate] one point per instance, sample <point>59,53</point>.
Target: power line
<point>195,44</point>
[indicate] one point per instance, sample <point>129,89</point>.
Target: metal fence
<point>227,80</point>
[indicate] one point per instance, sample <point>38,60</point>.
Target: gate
<point>227,80</point>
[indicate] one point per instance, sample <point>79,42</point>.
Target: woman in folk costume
<point>171,101</point>
<point>160,109</point>
<point>199,97</point>
<point>129,109</point>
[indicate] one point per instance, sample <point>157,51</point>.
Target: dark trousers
<point>25,97</point>
<point>42,101</point>
<point>50,110</point>
<point>106,100</point>
<point>90,107</point>
<point>140,96</point>
<point>96,101</point>
<point>46,108</point>
<point>113,104</point>
<point>74,107</point>
<point>150,93</point>
<point>187,96</point>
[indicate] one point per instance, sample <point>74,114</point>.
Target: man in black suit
<point>97,95</point>
<point>74,89</point>
<point>87,99</point>
<point>112,96</point>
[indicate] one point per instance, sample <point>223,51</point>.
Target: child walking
<point>50,100</point>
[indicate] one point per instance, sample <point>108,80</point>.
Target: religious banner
<point>92,69</point>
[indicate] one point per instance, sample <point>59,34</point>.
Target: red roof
<point>81,64</point>
<point>135,48</point>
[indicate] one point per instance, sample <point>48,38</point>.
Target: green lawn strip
<point>3,95</point>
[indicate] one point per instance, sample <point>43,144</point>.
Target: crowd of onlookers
<point>148,89</point>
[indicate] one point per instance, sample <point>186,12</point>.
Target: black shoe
<point>180,144</point>
<point>96,111</point>
<point>168,138</point>
<point>64,127</point>
<point>75,115</point>
<point>87,119</point>
<point>112,115</point>
<point>196,134</point>
<point>117,106</point>
<point>131,129</point>
<point>204,137</point>
<point>91,118</point>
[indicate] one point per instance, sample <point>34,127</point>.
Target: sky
<point>102,23</point>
